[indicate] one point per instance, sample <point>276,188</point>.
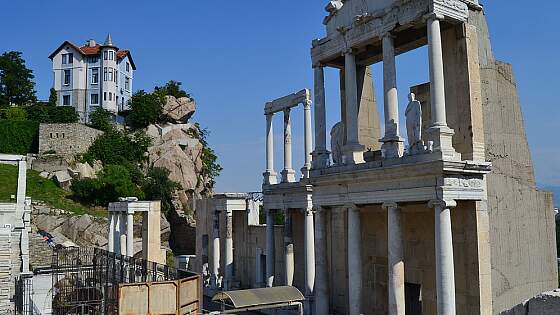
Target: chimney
<point>91,43</point>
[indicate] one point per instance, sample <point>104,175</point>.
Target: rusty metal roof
<point>260,296</point>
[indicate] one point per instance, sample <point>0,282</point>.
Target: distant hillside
<point>39,188</point>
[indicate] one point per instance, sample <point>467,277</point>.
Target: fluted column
<point>445,271</point>
<point>392,142</point>
<point>354,261</point>
<point>321,263</point>
<point>269,175</point>
<point>215,277</point>
<point>308,138</point>
<point>309,249</point>
<point>111,236</point>
<point>229,250</point>
<point>439,132</point>
<point>270,248</point>
<point>320,155</point>
<point>395,257</point>
<point>353,150</point>
<point>288,173</point>
<point>117,233</point>
<point>130,234</point>
<point>122,222</point>
<point>288,248</point>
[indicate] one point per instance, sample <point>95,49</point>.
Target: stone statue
<point>414,125</point>
<point>337,142</point>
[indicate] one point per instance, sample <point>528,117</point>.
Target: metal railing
<point>86,280</point>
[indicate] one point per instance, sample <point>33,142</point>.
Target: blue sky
<point>233,56</point>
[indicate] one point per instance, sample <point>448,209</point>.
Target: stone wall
<point>66,139</point>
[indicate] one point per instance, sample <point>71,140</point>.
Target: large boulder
<point>179,110</point>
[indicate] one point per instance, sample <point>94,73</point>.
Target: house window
<point>66,77</point>
<point>105,55</point>
<point>127,67</point>
<point>94,99</point>
<point>110,96</point>
<point>111,55</point>
<point>70,58</point>
<point>93,59</point>
<point>105,74</point>
<point>110,74</point>
<point>64,59</point>
<point>127,83</point>
<point>65,101</point>
<point>116,74</point>
<point>94,75</point>
<point>104,96</point>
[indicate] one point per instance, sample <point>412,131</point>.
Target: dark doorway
<point>413,298</point>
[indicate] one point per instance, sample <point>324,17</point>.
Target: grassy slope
<point>43,189</point>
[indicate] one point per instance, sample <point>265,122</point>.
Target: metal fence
<point>86,280</point>
<point>23,292</point>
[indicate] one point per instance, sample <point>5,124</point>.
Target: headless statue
<point>414,125</point>
<point>337,142</point>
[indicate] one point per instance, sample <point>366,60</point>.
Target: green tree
<point>172,88</point>
<point>53,98</point>
<point>16,113</point>
<point>158,186</point>
<point>145,109</point>
<point>16,81</point>
<point>102,119</point>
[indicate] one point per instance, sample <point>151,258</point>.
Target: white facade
<point>93,75</point>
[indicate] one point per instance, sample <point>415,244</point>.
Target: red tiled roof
<point>95,50</point>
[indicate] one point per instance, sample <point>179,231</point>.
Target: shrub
<point>117,147</point>
<point>113,181</point>
<point>52,114</point>
<point>16,113</point>
<point>172,88</point>
<point>19,137</point>
<point>158,186</point>
<point>102,119</point>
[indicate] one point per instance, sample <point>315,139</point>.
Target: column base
<point>320,159</point>
<point>353,154</point>
<point>442,141</point>
<point>270,178</point>
<point>392,147</point>
<point>305,171</point>
<point>288,176</point>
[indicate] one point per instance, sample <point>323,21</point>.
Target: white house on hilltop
<point>93,75</point>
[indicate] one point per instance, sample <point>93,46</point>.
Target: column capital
<point>351,206</point>
<point>348,51</point>
<point>308,211</point>
<point>433,16</point>
<point>269,115</point>
<point>390,205</point>
<point>388,34</point>
<point>307,104</point>
<point>318,65</point>
<point>442,203</point>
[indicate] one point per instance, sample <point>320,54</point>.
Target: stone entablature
<point>66,139</point>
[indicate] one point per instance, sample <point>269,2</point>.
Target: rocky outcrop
<point>542,304</point>
<point>179,110</point>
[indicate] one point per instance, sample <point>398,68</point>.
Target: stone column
<point>309,249</point>
<point>270,248</point>
<point>353,150</point>
<point>322,265</point>
<point>445,271</point>
<point>320,155</point>
<point>288,248</point>
<point>288,173</point>
<point>216,251</point>
<point>118,232</point>
<point>354,261</point>
<point>130,233</point>
<point>269,175</point>
<point>259,281</point>
<point>395,259</point>
<point>21,185</point>
<point>439,132</point>
<point>308,138</point>
<point>392,142</point>
<point>111,236</point>
<point>122,222</point>
<point>229,250</point>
